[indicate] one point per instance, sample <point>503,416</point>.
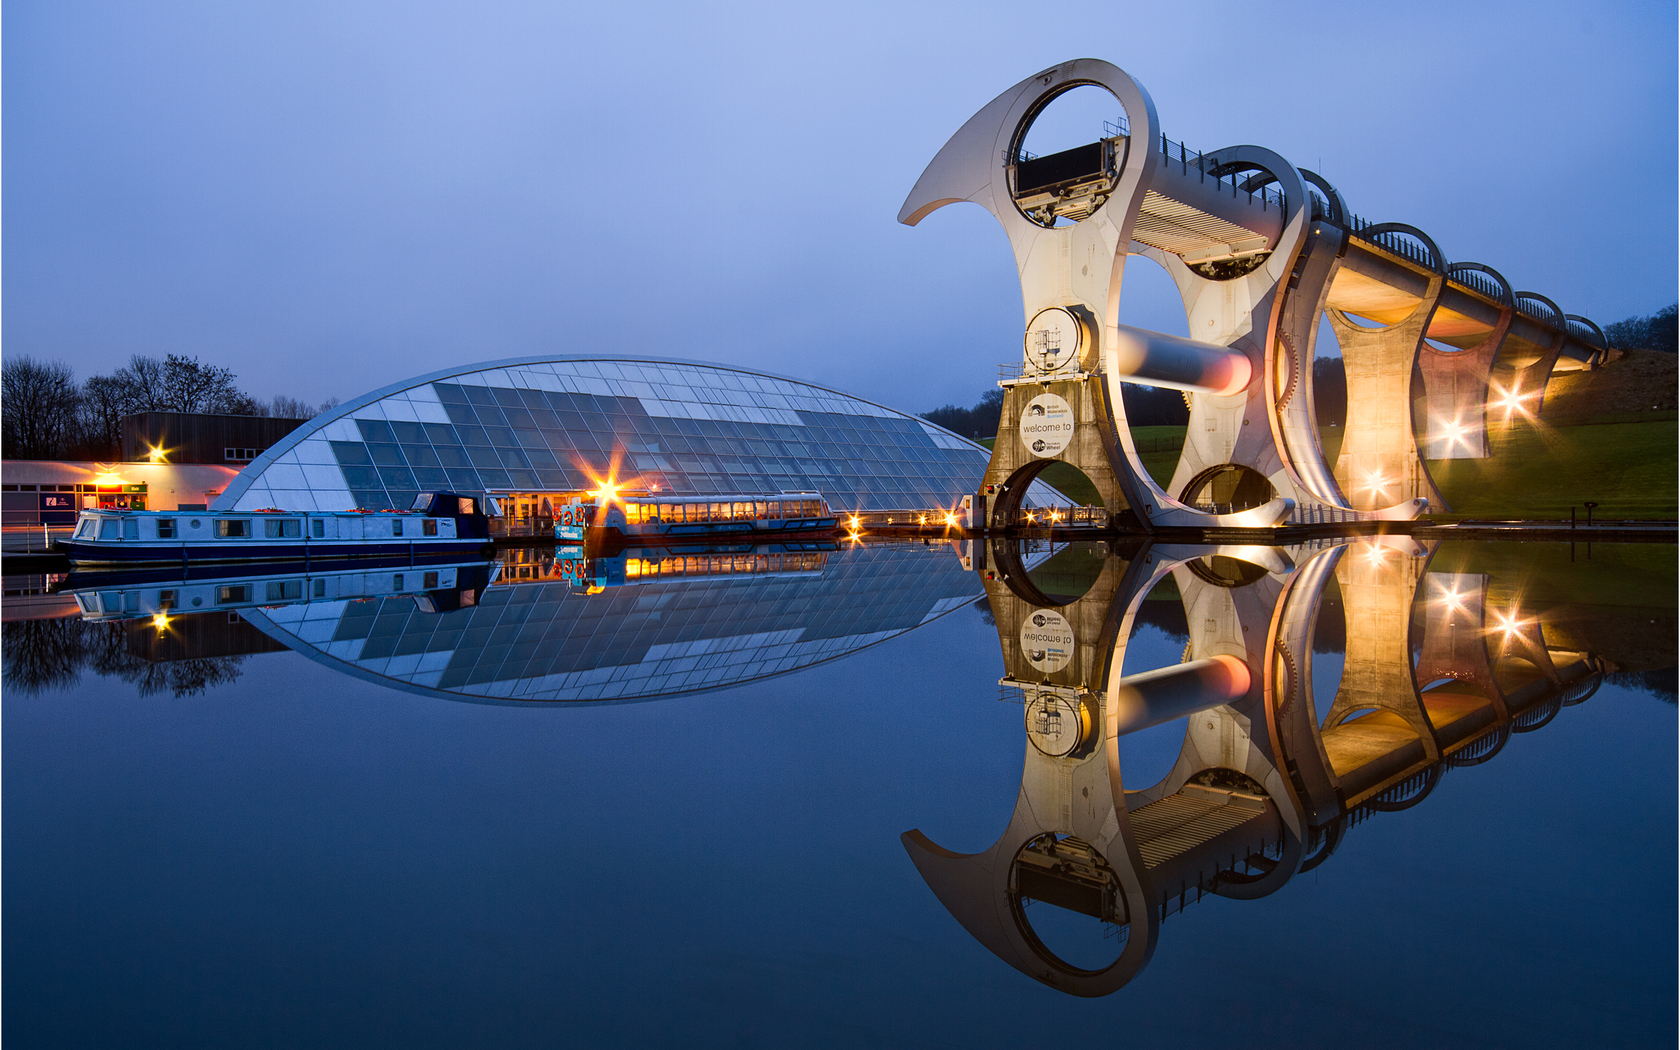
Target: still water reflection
<point>1265,787</point>
<point>1199,724</point>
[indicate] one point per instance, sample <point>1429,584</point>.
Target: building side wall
<point>199,438</point>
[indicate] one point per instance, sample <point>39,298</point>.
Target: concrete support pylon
<point>1084,437</point>
<point>1380,460</point>
<point>1455,634</point>
<point>1379,582</point>
<point>1527,384</point>
<point>1454,399</point>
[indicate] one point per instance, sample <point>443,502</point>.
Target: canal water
<point>1377,793</point>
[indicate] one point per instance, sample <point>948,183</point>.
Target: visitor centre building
<point>528,428</point>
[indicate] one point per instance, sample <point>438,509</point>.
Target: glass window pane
<point>376,430</point>
<point>397,478</point>
<point>350,453</point>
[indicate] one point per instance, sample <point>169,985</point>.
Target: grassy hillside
<point>1628,468</point>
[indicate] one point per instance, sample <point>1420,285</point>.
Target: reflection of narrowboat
<point>439,523</point>
<point>434,588</point>
<point>578,568</point>
<point>681,516</point>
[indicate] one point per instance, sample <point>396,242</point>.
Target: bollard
<point>1590,504</point>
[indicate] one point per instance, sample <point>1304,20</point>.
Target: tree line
<point>1657,331</point>
<point>48,415</point>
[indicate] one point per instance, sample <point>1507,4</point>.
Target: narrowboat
<point>674,517</point>
<point>438,523</point>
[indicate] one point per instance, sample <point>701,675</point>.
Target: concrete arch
<point>1437,261</point>
<point>1507,295</point>
<point>1338,209</point>
<point>1597,334</point>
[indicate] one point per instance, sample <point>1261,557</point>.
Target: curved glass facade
<point>558,423</point>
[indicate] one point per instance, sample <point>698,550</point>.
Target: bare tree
<point>192,386</point>
<point>105,401</point>
<point>37,408</point>
<point>143,385</point>
<point>284,407</point>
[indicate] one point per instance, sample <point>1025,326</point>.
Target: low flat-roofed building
<point>33,491</point>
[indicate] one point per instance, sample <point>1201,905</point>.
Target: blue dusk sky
<point>327,197</point>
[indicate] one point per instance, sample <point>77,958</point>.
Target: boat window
<point>166,528</point>
<point>285,590</point>
<point>719,511</point>
<point>397,582</point>
<point>284,528</point>
<point>320,588</point>
<point>131,528</point>
<point>396,526</point>
<point>239,592</point>
<point>232,529</point>
<point>109,528</point>
<point>429,581</point>
<point>422,502</point>
<point>739,511</point>
<point>632,514</point>
<point>318,529</point>
<point>166,599</point>
<point>763,510</point>
<point>665,512</point>
<point>428,527</point>
<point>466,506</point>
<point>85,530</point>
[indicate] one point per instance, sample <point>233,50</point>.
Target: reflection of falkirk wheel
<point>1251,269</point>
<point>1262,789</point>
<point>1075,841</point>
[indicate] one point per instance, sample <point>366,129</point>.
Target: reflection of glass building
<point>545,424</point>
<point>545,641</point>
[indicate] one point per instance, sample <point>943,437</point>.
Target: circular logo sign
<point>1047,640</point>
<point>1052,341</point>
<point>1046,425</point>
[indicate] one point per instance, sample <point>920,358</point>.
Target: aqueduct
<point>1260,251</point>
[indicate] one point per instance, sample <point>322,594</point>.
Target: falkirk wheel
<point>1267,782</point>
<point>1260,252</point>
